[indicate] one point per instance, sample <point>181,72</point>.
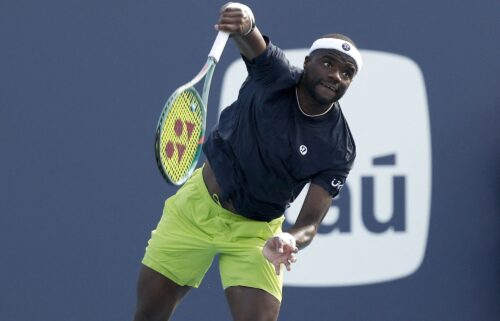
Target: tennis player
<point>286,129</point>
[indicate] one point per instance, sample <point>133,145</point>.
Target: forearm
<point>251,45</point>
<point>314,210</point>
<point>282,248</point>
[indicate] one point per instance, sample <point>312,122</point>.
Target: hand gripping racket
<point>181,128</point>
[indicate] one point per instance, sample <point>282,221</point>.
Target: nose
<point>334,74</point>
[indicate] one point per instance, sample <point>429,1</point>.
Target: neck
<point>309,108</point>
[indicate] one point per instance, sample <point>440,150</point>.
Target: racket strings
<point>180,134</point>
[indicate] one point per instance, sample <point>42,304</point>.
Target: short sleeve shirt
<point>264,150</point>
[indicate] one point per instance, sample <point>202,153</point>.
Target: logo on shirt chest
<point>303,150</point>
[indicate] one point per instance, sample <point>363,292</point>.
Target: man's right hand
<point>235,18</point>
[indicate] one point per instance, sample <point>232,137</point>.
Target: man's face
<point>327,75</point>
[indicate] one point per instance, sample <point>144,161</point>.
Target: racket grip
<point>218,46</point>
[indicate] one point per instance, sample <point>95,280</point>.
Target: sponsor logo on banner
<point>376,229</point>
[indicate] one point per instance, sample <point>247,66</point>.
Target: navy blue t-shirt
<point>264,150</point>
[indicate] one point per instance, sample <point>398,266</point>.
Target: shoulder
<point>272,67</point>
<point>272,56</point>
<point>271,52</point>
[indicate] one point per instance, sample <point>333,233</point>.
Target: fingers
<point>278,252</point>
<point>272,249</point>
<point>289,261</point>
<point>233,20</point>
<point>288,264</point>
<point>279,245</point>
<point>225,6</point>
<point>285,261</point>
<point>277,268</point>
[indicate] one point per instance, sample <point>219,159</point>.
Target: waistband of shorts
<point>210,199</point>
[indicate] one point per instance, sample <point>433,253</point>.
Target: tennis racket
<point>181,128</point>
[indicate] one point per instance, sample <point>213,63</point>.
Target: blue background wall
<point>81,87</point>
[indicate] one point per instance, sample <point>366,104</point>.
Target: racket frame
<point>207,73</point>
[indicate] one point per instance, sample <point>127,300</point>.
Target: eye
<point>347,74</point>
<point>327,64</point>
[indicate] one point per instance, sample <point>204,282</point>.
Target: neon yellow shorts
<point>194,228</point>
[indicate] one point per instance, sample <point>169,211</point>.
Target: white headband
<point>340,45</point>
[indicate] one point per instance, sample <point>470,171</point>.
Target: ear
<point>306,61</point>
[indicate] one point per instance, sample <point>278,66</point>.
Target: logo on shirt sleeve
<point>303,149</point>
<point>337,184</point>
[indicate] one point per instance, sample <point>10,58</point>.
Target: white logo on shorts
<point>303,149</point>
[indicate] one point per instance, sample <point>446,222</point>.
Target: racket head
<point>180,134</point>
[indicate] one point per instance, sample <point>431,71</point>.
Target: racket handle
<point>218,46</point>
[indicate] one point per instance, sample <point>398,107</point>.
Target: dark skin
<point>327,75</point>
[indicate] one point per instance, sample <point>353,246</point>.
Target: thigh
<point>157,296</point>
<point>180,247</point>
<point>178,250</point>
<point>241,260</point>
<point>250,304</point>
<point>248,267</point>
